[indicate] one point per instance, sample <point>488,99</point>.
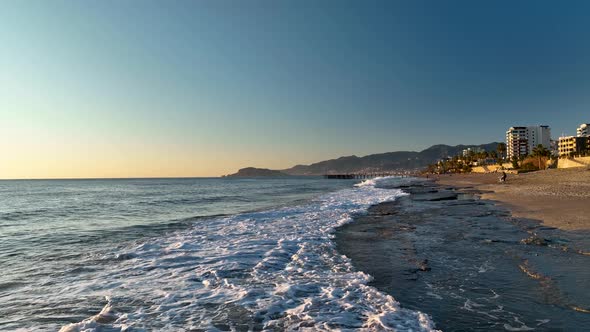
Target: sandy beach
<point>557,197</point>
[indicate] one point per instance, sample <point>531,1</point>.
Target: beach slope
<point>556,197</point>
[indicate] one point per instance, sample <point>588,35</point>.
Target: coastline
<point>557,197</point>
<point>468,262</point>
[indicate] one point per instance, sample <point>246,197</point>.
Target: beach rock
<point>435,197</point>
<point>535,240</point>
<point>385,209</point>
<point>423,265</point>
<point>421,190</point>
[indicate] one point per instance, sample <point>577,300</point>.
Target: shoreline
<point>557,198</point>
<point>468,262</point>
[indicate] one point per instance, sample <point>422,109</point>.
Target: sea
<point>190,254</point>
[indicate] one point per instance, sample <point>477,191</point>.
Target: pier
<point>369,175</point>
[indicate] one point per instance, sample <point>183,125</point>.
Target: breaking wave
<point>267,270</point>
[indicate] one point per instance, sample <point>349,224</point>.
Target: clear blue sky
<point>148,88</point>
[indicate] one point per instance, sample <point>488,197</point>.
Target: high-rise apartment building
<point>583,130</point>
<point>520,141</point>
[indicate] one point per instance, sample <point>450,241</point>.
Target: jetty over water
<point>369,175</point>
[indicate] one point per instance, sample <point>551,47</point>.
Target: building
<point>554,148</point>
<point>584,130</point>
<point>520,141</point>
<point>468,151</point>
<point>573,145</point>
<point>517,143</point>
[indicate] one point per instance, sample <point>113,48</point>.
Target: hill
<point>252,172</point>
<point>390,161</point>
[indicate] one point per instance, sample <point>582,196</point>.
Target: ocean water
<point>188,255</point>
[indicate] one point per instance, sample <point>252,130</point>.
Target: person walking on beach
<point>503,177</point>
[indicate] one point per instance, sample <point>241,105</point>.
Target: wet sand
<point>469,263</point>
<point>557,197</point>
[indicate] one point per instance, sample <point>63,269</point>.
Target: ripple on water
<point>271,269</point>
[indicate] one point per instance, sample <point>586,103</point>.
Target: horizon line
<point>116,178</point>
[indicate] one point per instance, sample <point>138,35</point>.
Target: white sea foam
<point>269,270</point>
<point>370,182</point>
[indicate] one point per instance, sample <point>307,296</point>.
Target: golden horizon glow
<point>99,93</point>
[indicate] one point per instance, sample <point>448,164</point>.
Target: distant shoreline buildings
<point>578,145</point>
<point>520,141</point>
<point>583,130</point>
<point>523,152</point>
<point>468,151</point>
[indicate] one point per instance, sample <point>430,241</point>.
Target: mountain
<point>252,172</point>
<point>390,161</point>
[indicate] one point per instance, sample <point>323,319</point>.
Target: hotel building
<point>520,141</point>
<point>584,130</point>
<point>573,145</point>
<point>467,152</point>
<point>576,145</point>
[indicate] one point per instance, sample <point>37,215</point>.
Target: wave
<point>370,182</point>
<point>266,270</point>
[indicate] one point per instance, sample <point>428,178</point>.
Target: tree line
<point>464,163</point>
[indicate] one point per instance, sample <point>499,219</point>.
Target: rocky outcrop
<point>252,172</point>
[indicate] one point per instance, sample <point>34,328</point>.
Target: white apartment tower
<point>520,141</point>
<point>583,130</point>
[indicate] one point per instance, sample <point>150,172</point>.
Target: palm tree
<point>501,148</point>
<point>540,151</point>
<point>515,162</point>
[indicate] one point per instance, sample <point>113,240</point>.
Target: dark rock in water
<point>435,197</point>
<point>423,265</point>
<point>125,256</point>
<point>421,190</point>
<point>547,228</point>
<point>384,209</point>
<point>420,266</point>
<point>535,240</point>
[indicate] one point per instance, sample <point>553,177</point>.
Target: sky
<point>202,88</point>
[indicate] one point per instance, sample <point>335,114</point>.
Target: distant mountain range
<point>389,161</point>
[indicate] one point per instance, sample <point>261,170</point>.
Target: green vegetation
<point>501,148</point>
<point>540,151</point>
<point>464,163</point>
<point>514,162</point>
<point>452,165</point>
<point>529,166</point>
